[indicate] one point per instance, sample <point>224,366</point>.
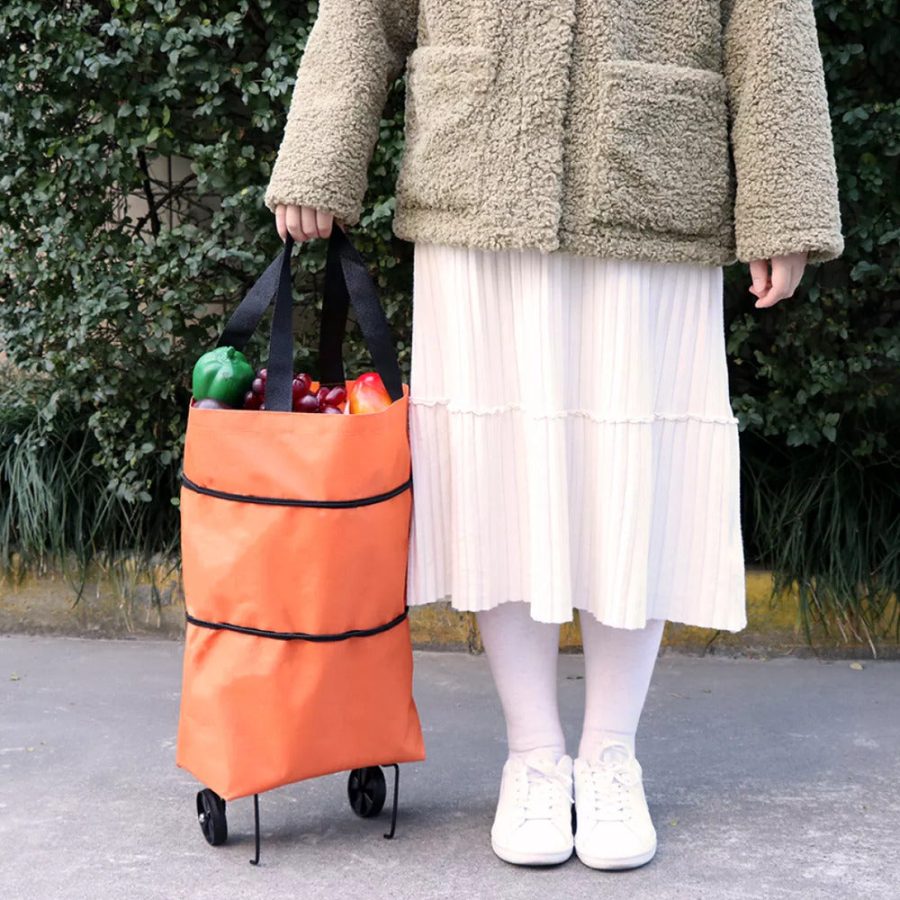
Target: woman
<point>574,177</point>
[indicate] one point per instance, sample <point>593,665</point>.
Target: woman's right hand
<point>302,222</point>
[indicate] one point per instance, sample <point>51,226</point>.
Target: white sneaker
<point>613,829</point>
<point>533,822</point>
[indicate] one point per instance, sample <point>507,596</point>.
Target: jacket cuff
<point>819,245</point>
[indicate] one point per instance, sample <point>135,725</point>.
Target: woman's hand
<point>303,222</point>
<point>786,274</point>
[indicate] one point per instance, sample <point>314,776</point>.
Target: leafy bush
<point>814,379</point>
<point>104,314</point>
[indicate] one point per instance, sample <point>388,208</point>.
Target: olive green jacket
<point>668,130</point>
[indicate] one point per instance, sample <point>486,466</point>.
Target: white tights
<point>523,654</point>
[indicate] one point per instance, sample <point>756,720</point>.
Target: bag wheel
<point>211,814</point>
<point>367,790</point>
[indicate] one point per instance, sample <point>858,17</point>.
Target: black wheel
<point>367,789</point>
<point>211,814</point>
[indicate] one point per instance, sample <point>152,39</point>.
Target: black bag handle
<point>347,281</point>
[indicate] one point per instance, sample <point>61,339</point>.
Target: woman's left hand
<point>786,274</point>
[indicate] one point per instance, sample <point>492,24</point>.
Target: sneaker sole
<point>531,859</point>
<point>627,862</point>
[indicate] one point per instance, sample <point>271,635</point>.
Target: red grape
<point>308,403</point>
<point>336,396</point>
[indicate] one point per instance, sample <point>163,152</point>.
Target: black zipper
<point>298,635</point>
<point>287,501</point>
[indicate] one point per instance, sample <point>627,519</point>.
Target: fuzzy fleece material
<point>667,130</point>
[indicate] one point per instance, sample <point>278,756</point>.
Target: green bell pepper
<point>223,374</point>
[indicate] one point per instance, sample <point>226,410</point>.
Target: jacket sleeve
<point>354,51</point>
<point>787,191</point>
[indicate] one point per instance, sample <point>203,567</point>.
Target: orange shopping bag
<point>294,540</point>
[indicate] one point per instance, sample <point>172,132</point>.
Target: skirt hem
<point>678,618</point>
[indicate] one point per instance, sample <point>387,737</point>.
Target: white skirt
<point>573,443</point>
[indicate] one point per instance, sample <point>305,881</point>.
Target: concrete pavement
<point>766,779</point>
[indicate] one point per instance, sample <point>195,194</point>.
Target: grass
<point>57,512</point>
<point>829,524</point>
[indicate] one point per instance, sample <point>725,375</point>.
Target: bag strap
<point>280,367</point>
<point>347,281</point>
<point>246,317</point>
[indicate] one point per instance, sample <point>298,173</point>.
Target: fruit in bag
<point>369,394</point>
<point>306,395</point>
<point>223,374</point>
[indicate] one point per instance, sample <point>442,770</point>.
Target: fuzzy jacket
<point>667,130</point>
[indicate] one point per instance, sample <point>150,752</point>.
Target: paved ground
<point>766,779</point>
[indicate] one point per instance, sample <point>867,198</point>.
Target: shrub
<point>814,379</point>
<point>105,312</point>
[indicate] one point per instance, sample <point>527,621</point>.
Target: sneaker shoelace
<point>544,786</point>
<point>612,779</point>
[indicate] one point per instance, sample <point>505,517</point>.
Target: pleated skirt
<point>573,443</point>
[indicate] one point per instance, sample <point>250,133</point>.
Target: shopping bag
<point>294,539</point>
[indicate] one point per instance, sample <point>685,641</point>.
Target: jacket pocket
<point>661,159</point>
<point>445,121</point>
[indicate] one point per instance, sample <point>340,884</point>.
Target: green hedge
<point>103,318</point>
<point>105,322</point>
<point>814,380</point>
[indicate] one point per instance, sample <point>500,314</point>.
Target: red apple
<point>368,394</point>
